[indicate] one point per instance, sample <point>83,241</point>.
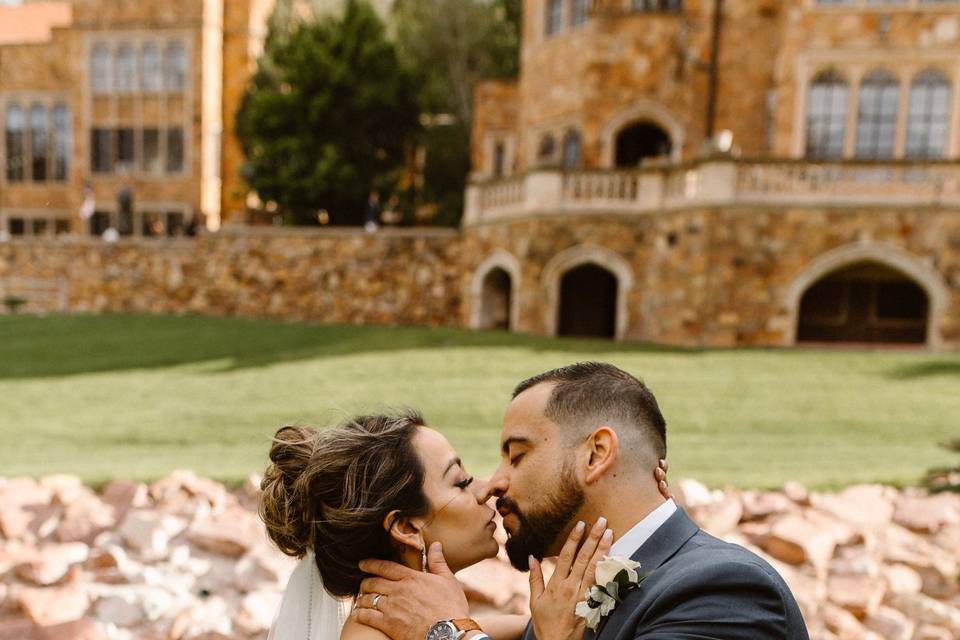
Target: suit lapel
<point>660,547</point>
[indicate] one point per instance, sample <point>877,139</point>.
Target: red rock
<point>123,612</point>
<point>124,495</point>
<point>758,505</point>
<point>53,605</point>
<point>842,623</point>
<point>263,565</point>
<point>890,624</point>
<point>231,533</point>
<point>797,492</point>
<point>927,514</point>
<point>51,563</point>
<point>924,609</point>
<point>493,582</point>
<point>172,491</point>
<point>83,629</point>
<point>23,504</point>
<point>17,628</point>
<point>150,533</point>
<point>901,578</point>
<point>860,595</point>
<point>720,517</point>
<point>257,611</point>
<point>64,488</point>
<point>795,540</point>
<point>933,632</point>
<point>864,505</point>
<point>85,518</point>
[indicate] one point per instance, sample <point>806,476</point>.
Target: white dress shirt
<point>627,544</point>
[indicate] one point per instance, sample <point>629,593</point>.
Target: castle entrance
<point>588,302</point>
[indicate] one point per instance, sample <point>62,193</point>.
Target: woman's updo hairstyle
<point>328,491</point>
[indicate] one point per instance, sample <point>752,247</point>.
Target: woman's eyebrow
<point>456,462</point>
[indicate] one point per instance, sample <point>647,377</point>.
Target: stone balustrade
<point>714,182</point>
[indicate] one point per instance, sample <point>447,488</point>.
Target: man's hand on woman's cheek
<point>409,602</point>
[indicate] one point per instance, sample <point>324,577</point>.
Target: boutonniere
<point>616,577</point>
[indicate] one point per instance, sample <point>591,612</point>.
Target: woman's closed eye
<point>463,484</point>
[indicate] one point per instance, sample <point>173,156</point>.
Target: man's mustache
<point>505,504</point>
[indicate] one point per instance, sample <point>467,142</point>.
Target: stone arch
<point>578,256</point>
<point>639,111</point>
<point>506,262</point>
<point>927,278</point>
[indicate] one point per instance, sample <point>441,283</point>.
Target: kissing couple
<point>383,513</point>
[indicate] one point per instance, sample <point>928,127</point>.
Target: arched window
<point>126,69</point>
<point>578,12</point>
<point>39,142</point>
<point>554,17</point>
<point>150,76</point>
<point>827,116</point>
<point>62,138</point>
<point>928,116</point>
<point>15,124</point>
<point>175,65</point>
<point>499,159</point>
<point>877,115</point>
<point>547,150</point>
<point>572,150</point>
<point>100,78</point>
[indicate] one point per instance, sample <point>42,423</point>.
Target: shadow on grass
<point>53,346</point>
<point>926,370</point>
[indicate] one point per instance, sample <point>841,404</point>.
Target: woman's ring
<point>376,601</point>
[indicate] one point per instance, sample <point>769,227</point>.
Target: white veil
<point>307,611</point>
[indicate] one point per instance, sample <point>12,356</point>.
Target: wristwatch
<point>453,629</point>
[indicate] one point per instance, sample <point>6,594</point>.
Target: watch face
<point>442,631</point>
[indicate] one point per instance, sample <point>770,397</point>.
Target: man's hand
<point>410,601</point>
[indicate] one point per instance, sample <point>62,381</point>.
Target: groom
<point>578,443</point>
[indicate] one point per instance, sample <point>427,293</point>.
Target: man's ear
<point>602,450</point>
<point>404,532</point>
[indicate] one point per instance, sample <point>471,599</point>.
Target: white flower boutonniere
<point>616,577</point>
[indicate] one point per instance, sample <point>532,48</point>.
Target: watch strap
<point>466,624</point>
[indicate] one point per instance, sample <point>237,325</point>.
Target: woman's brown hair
<point>329,491</point>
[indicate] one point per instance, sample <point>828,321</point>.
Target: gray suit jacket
<point>701,588</point>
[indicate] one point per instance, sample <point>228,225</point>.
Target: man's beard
<point>539,529</point>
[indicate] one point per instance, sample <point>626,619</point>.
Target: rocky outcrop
<point>185,558</point>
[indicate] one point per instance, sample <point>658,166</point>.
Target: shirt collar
<point>632,540</point>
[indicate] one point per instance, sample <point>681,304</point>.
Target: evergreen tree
<point>329,115</point>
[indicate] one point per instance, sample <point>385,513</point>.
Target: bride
<point>387,487</point>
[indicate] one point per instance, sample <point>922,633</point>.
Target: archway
<point>588,302</point>
<point>496,300</point>
<point>910,267</point>
<point>494,293</point>
<point>568,261</point>
<point>638,141</point>
<point>866,302</point>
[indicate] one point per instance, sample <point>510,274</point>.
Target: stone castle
<point>696,173</point>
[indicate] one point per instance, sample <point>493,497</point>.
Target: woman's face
<point>459,519</point>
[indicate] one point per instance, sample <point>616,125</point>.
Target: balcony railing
<point>714,182</point>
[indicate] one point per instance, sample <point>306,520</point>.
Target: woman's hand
<point>553,605</point>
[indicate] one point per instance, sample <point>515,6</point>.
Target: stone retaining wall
<point>335,276</point>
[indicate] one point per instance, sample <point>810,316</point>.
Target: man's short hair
<point>589,394</point>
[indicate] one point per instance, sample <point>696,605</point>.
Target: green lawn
<point>135,396</point>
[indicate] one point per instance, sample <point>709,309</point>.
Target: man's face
<point>542,495</point>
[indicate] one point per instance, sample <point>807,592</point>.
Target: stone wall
<point>707,276</point>
<point>337,276</point>
<point>719,276</point>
